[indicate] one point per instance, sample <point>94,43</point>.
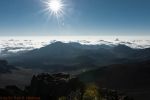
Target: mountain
<point>132,78</point>
<point>60,56</point>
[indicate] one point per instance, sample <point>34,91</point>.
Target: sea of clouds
<point>9,45</point>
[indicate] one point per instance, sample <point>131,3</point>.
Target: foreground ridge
<point>62,86</point>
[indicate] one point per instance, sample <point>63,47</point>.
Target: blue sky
<point>82,17</point>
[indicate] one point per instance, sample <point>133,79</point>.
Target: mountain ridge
<point>74,54</point>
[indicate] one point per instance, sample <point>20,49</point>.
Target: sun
<point>55,7</point>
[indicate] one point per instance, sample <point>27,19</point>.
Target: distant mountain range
<point>14,45</point>
<point>60,56</point>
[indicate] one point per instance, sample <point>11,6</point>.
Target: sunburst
<point>55,7</point>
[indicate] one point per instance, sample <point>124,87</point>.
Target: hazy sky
<point>82,17</point>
